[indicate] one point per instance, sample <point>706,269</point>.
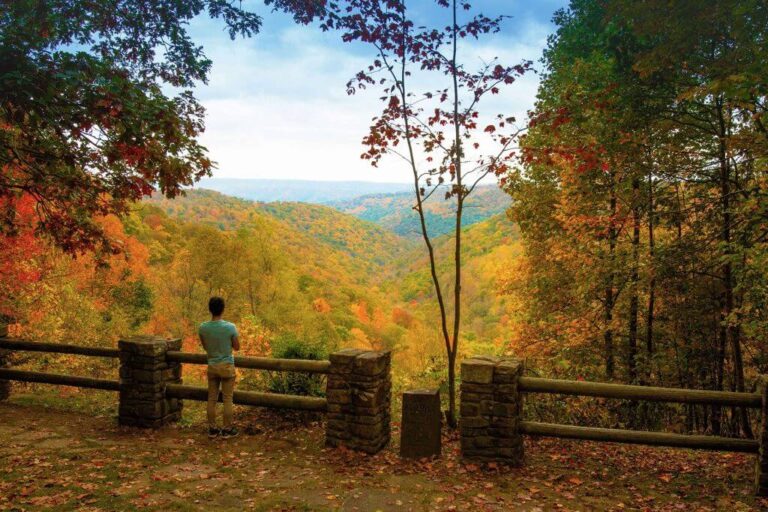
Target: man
<point>219,338</point>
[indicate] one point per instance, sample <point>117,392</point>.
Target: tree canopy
<point>96,109</point>
<point>642,202</point>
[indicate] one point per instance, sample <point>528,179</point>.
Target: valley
<point>337,279</point>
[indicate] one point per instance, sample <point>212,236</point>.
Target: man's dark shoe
<point>213,432</point>
<point>229,432</point>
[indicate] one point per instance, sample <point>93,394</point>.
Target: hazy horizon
<point>302,190</point>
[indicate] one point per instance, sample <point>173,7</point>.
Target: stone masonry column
<point>359,397</point>
<point>490,410</point>
<point>5,362</point>
<point>761,466</point>
<point>144,373</point>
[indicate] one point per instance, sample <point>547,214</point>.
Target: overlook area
<point>64,460</point>
<point>383,255</point>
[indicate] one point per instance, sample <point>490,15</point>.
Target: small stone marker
<point>420,434</point>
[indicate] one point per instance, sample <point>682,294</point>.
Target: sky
<point>277,105</point>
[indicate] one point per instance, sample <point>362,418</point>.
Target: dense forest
<point>301,280</point>
<point>642,202</point>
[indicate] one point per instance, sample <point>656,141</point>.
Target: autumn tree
<point>87,120</point>
<point>439,133</point>
<point>648,143</point>
<point>720,101</point>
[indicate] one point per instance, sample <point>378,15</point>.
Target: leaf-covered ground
<point>53,459</point>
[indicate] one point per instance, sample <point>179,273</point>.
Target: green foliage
<point>88,125</point>
<point>290,346</point>
<point>136,298</point>
<point>395,211</point>
<point>361,240</point>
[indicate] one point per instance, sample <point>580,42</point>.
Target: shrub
<point>290,346</point>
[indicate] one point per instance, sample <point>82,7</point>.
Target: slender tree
<point>436,133</point>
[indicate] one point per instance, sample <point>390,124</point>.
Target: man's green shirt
<point>217,339</point>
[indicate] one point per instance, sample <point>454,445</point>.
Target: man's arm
<point>235,338</point>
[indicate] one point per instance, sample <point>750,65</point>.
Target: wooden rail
<point>56,378</point>
<point>638,437</point>
<point>304,403</point>
<point>258,363</point>
<point>654,394</point>
<point>58,348</point>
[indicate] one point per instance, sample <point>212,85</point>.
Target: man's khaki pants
<point>220,376</point>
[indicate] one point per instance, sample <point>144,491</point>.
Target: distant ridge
<point>390,205</point>
<point>394,211</point>
<point>306,191</point>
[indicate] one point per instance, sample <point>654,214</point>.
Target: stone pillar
<point>761,466</point>
<point>490,410</point>
<point>144,373</point>
<point>359,398</point>
<point>5,362</point>
<point>421,425</point>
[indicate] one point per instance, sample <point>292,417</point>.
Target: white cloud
<point>277,107</point>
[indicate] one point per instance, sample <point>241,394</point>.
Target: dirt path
<point>58,460</point>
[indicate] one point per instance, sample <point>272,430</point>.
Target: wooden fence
<point>274,400</point>
<point>492,424</point>
<point>648,393</point>
<point>253,398</point>
<point>151,391</point>
<point>359,392</point>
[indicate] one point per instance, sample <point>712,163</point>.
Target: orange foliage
<point>360,310</point>
<point>359,338</point>
<point>402,317</point>
<point>255,339</point>
<point>19,267</point>
<point>320,305</point>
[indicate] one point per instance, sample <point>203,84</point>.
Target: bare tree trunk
<point>401,87</point>
<point>251,297</point>
<point>652,283</point>
<point>609,295</point>
<point>634,279</point>
<point>695,416</point>
<point>733,332</point>
<point>717,411</point>
<point>451,413</point>
<point>457,156</point>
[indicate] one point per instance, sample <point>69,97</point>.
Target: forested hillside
<point>293,274</point>
<point>489,248</point>
<point>375,283</point>
<point>365,242</point>
<point>395,211</point>
<point>359,238</point>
